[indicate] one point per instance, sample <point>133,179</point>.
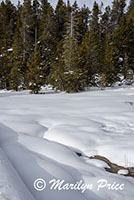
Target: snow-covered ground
<point>40,135</point>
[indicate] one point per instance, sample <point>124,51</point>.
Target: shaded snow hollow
<point>40,135</point>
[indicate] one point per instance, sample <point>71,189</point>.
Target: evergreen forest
<point>68,47</point>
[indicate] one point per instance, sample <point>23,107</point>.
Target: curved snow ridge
<point>104,135</point>
<point>78,168</point>
<point>31,166</point>
<point>11,185</point>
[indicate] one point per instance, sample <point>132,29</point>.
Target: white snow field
<point>40,135</point>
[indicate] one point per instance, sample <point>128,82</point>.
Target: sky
<point>89,3</point>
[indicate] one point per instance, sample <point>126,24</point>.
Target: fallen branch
<point>113,168</point>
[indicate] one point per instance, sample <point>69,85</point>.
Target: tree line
<point>67,47</point>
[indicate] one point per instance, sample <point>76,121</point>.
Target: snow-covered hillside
<point>42,136</point>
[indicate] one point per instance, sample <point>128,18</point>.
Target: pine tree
<point>57,68</point>
<point>34,74</point>
<point>127,72</point>
<point>85,12</point>
<point>108,72</point>
<point>68,74</point>
<point>47,36</point>
<point>105,23</point>
<point>117,11</point>
<point>96,52</point>
<point>36,18</point>
<point>22,46</point>
<point>80,21</point>
<point>7,22</point>
<point>130,12</point>
<point>4,71</point>
<point>60,14</point>
<point>27,29</point>
<point>129,42</point>
<point>7,26</point>
<point>72,73</point>
<point>94,23</point>
<point>85,62</point>
<point>129,39</point>
<point>91,56</point>
<point>77,22</point>
<point>120,45</point>
<point>17,64</point>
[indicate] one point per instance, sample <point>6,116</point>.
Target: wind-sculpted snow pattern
<point>51,137</point>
